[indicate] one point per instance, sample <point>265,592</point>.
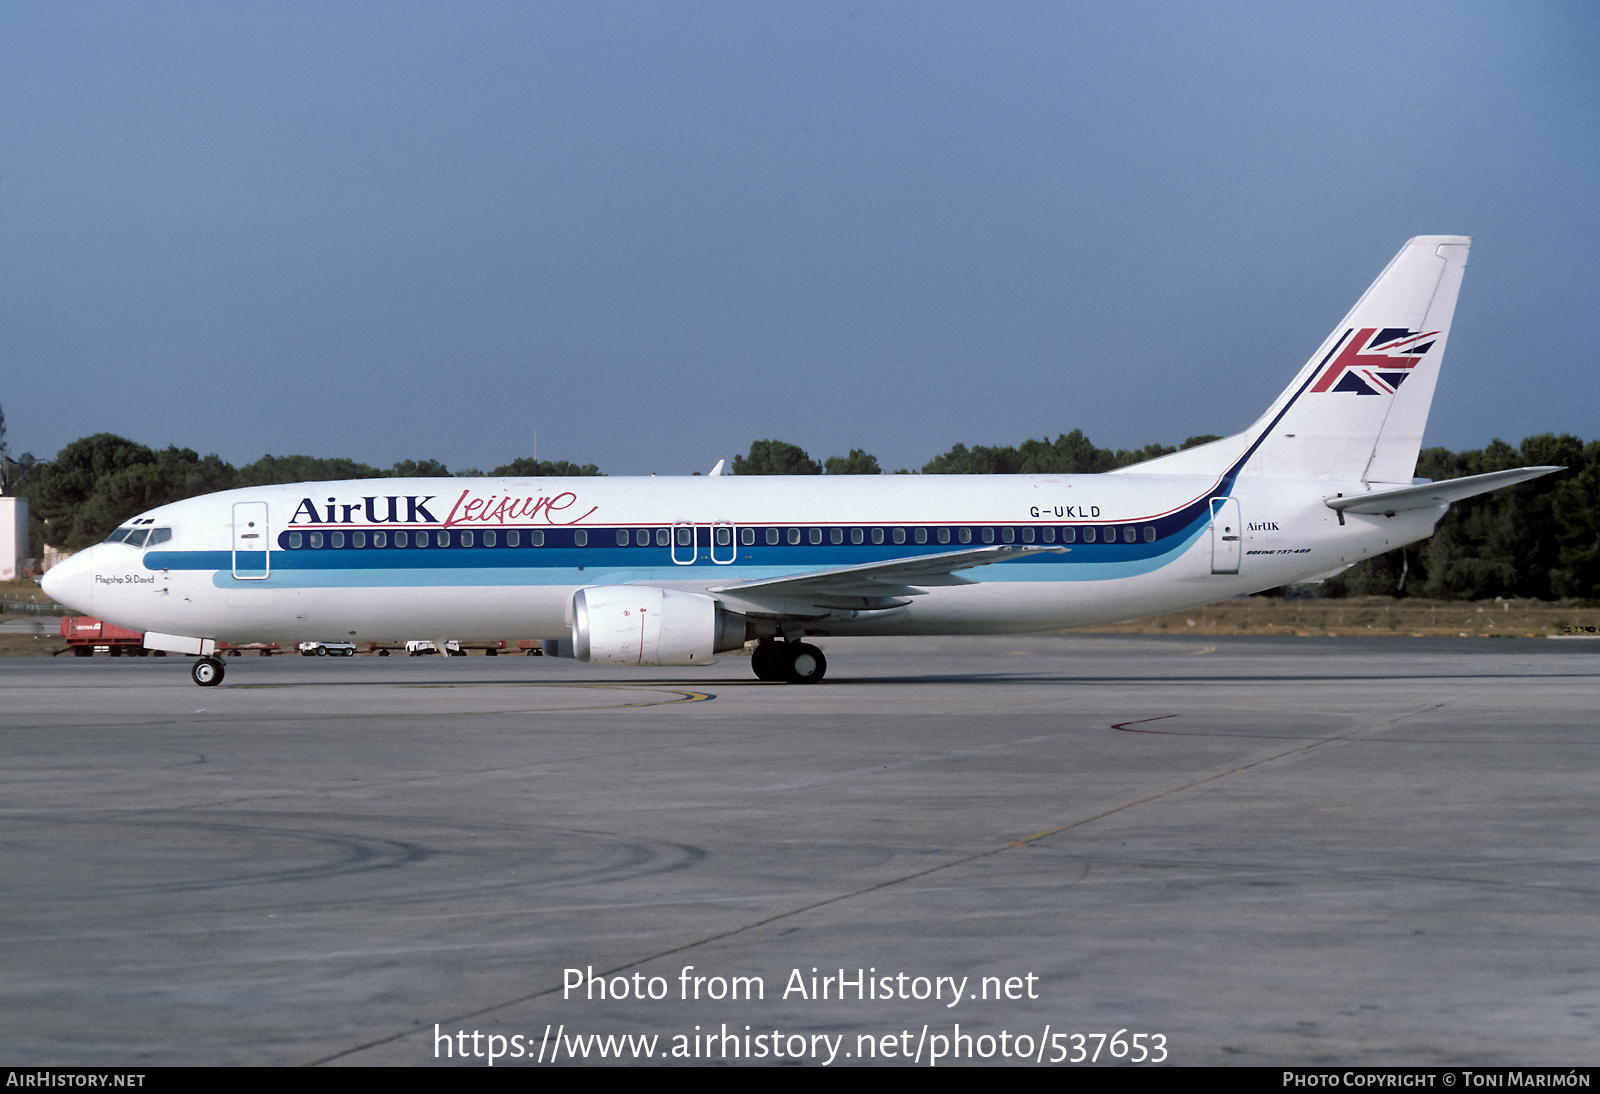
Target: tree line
<point>96,483</point>
<point>1539,539</point>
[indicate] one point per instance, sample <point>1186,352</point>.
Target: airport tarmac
<point>1265,851</point>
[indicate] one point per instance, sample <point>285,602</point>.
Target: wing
<point>872,586</point>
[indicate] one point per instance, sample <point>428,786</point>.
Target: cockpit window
<point>139,537</point>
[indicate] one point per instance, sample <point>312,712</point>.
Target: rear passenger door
<point>1226,540</point>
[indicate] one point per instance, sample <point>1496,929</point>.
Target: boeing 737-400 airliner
<point>652,571</point>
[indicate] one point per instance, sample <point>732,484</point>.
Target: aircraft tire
<point>207,672</point>
<point>767,661</point>
<point>383,653</point>
<point>805,664</point>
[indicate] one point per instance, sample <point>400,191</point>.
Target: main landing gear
<point>207,672</point>
<point>791,662</point>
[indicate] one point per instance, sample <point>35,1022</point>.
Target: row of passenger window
<point>423,538</point>
<point>1028,534</point>
<point>721,536</point>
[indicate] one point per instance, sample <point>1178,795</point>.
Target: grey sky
<point>657,232</point>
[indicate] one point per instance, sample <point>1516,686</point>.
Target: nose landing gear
<point>207,672</point>
<point>791,662</point>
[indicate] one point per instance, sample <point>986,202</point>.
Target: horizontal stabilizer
<point>1433,494</point>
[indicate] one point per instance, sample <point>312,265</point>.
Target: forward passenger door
<point>252,547</point>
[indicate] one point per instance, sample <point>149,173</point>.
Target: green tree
<point>528,468</point>
<point>96,483</point>
<point>1575,513</point>
<point>419,469</point>
<point>775,458</point>
<point>1539,539</point>
<point>272,470</point>
<point>857,463</point>
<point>1069,454</point>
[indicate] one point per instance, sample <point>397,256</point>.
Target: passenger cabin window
<point>1047,535</point>
<point>380,539</point>
<point>988,535</point>
<point>900,535</point>
<point>1027,535</point>
<point>747,536</point>
<point>1149,534</point>
<point>663,538</point>
<point>580,538</point>
<point>401,539</point>
<point>724,536</point>
<point>877,535</point>
<point>337,538</point>
<point>1129,534</point>
<point>642,537</point>
<point>922,536</point>
<point>1088,534</point>
<point>794,536</point>
<point>316,541</point>
<point>490,538</point>
<point>944,535</point>
<point>441,539</point>
<point>467,539</point>
<point>535,538</point>
<point>294,540</point>
<point>685,537</point>
<point>856,535</point>
<point>359,539</point>
<point>965,535</point>
<point>623,537</point>
<point>815,535</point>
<point>772,536</point>
<point>513,538</point>
<point>1068,535</point>
<point>835,535</point>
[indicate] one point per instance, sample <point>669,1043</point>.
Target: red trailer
<point>87,636</point>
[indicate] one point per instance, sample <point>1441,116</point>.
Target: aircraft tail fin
<point>1356,411</point>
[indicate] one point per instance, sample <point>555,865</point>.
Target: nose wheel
<point>207,672</point>
<point>791,662</point>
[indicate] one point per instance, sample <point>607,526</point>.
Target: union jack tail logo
<point>1375,361</point>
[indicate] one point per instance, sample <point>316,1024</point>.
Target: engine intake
<point>645,625</point>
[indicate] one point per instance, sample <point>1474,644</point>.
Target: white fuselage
<point>503,558</point>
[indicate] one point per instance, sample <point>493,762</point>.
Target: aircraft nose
<point>70,582</point>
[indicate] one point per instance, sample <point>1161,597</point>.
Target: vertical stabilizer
<point>1357,410</point>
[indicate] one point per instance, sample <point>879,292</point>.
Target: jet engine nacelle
<point>645,625</point>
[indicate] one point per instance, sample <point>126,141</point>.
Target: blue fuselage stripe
<point>608,563</point>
